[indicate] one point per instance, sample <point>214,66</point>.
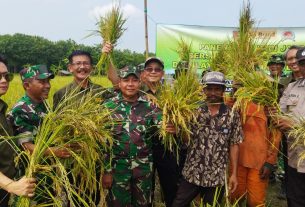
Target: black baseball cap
<point>300,55</point>
<point>153,59</point>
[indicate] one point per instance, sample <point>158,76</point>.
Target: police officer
<point>292,103</point>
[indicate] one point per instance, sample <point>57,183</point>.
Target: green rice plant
<point>257,87</point>
<point>16,90</point>
<point>184,50</point>
<point>245,51</point>
<point>178,103</point>
<point>111,28</point>
<point>218,60</point>
<point>84,129</point>
<point>298,133</point>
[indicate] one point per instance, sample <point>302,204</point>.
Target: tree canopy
<point>22,50</point>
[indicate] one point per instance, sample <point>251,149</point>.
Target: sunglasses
<point>7,76</point>
<point>151,69</point>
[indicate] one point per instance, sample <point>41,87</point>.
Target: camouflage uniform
<point>25,118</point>
<point>132,151</point>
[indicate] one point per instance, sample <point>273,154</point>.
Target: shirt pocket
<point>292,102</point>
<point>141,124</point>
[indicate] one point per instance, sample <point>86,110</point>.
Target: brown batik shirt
<point>208,153</point>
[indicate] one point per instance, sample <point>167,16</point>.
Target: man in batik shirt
<point>216,134</point>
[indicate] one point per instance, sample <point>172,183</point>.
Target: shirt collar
<point>3,106</point>
<point>120,98</point>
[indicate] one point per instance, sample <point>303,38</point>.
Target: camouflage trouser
<point>131,183</point>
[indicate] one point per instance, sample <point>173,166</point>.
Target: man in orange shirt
<point>257,156</point>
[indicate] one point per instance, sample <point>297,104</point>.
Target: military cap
<point>37,72</point>
<point>128,70</point>
<point>140,67</point>
<point>276,59</point>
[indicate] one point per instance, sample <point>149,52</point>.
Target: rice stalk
<point>179,103</point>
<point>84,129</point>
<point>184,50</point>
<point>245,51</point>
<point>256,87</point>
<point>110,28</point>
<point>298,134</point>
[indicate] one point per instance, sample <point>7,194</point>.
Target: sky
<point>76,19</point>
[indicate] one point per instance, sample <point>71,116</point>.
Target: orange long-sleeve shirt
<point>260,145</point>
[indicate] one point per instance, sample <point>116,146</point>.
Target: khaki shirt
<point>293,103</point>
<point>73,89</point>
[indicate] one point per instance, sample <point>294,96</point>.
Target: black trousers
<point>4,198</point>
<point>188,191</point>
<point>295,188</point>
<point>285,159</point>
<point>165,163</point>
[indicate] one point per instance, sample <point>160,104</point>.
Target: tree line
<point>22,50</point>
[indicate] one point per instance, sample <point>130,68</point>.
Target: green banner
<point>206,40</point>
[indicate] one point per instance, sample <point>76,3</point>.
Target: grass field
<point>16,90</point>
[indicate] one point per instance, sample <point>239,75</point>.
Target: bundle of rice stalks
<point>298,133</point>
<point>84,129</point>
<point>245,51</point>
<point>111,28</point>
<point>257,87</point>
<point>184,50</point>
<point>179,104</point>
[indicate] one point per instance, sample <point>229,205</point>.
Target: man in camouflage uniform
<point>165,162</point>
<point>80,65</point>
<point>28,112</point>
<point>131,167</point>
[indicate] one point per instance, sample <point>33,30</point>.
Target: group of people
<point>228,148</point>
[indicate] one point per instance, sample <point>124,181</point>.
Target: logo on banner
<point>288,35</point>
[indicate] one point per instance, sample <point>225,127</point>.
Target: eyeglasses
<point>79,64</point>
<point>151,69</point>
<point>7,76</point>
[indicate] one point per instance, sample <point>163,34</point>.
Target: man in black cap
<point>292,103</point>
<point>292,64</point>
<point>216,134</point>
